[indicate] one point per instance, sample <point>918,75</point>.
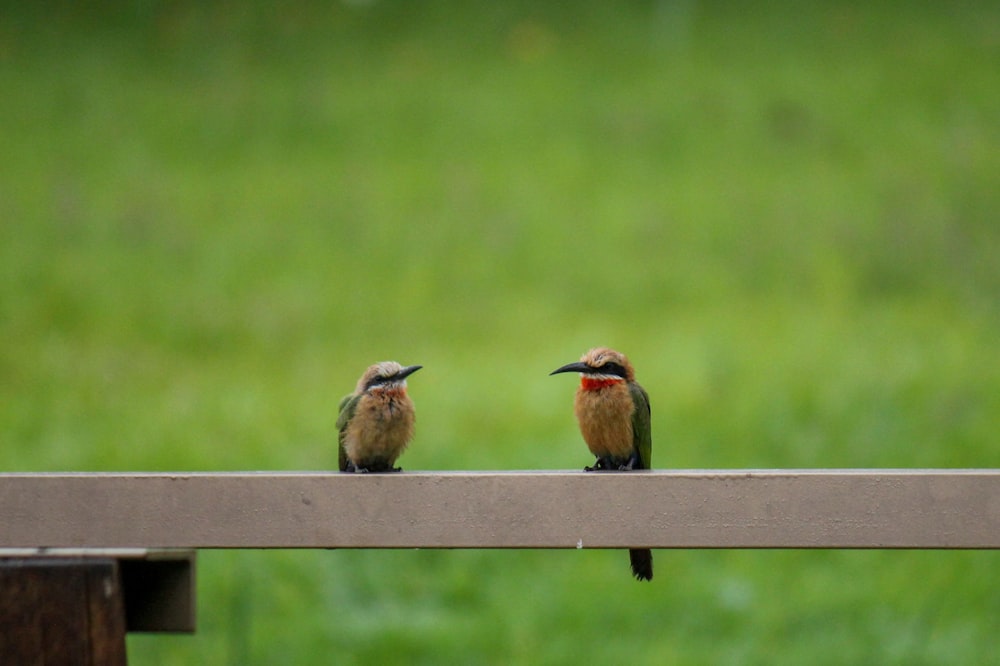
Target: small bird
<point>614,417</point>
<point>376,421</point>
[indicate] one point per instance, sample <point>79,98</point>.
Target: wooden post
<point>58,611</point>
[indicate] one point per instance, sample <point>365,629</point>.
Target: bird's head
<point>385,375</point>
<point>601,363</point>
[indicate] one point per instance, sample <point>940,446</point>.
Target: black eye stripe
<point>379,380</point>
<point>612,368</point>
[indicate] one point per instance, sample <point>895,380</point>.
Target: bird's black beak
<point>579,366</point>
<point>407,371</point>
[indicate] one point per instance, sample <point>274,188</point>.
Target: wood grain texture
<point>61,611</point>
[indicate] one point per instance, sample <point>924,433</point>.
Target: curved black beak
<point>579,366</point>
<point>407,371</point>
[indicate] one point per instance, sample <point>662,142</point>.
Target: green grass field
<point>214,216</point>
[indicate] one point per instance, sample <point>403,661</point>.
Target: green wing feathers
<point>642,437</point>
<point>346,412</point>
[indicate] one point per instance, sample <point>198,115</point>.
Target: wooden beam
<point>158,586</point>
<point>659,509</point>
<point>61,611</point>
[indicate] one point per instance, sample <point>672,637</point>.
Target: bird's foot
<point>631,464</point>
<point>351,467</point>
<point>600,465</point>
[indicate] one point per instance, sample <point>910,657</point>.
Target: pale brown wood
<point>658,509</point>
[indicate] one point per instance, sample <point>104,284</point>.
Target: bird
<point>613,413</point>
<point>375,423</point>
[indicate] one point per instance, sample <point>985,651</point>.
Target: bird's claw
<point>600,465</point>
<point>352,468</point>
<point>606,465</point>
<point>631,464</point>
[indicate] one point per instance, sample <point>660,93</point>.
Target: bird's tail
<point>642,563</point>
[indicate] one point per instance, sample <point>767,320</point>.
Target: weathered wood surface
<point>658,509</point>
<point>158,586</point>
<point>61,611</point>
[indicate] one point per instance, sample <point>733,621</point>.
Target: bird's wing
<point>642,437</point>
<point>346,412</point>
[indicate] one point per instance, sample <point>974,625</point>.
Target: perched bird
<point>614,417</point>
<point>376,421</point>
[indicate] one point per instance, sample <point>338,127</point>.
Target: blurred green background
<point>214,215</point>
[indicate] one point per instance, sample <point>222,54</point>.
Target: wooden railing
<point>131,536</point>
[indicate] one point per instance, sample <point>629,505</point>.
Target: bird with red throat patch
<point>613,413</point>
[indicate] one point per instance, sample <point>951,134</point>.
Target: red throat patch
<point>594,384</point>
